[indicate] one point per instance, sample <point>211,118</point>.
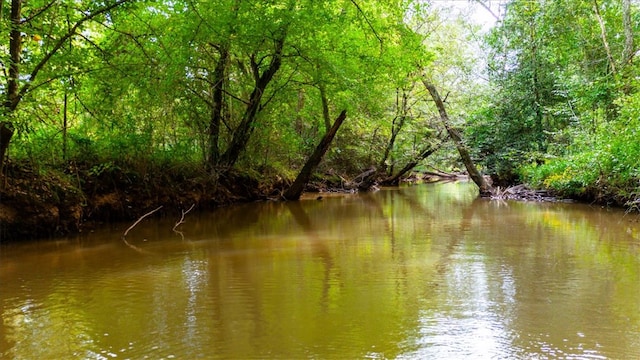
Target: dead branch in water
<point>124,236</point>
<point>135,247</point>
<point>181,221</point>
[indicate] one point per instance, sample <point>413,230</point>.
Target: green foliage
<point>563,115</point>
<point>151,85</point>
<point>134,86</point>
<point>607,169</point>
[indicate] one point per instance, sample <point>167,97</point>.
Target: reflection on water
<point>412,273</point>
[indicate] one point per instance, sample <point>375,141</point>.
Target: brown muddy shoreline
<point>34,204</point>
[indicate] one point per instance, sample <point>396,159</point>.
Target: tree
<point>23,70</point>
<point>296,189</point>
<point>476,176</point>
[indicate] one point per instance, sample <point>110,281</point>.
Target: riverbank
<point>36,202</point>
<point>41,203</point>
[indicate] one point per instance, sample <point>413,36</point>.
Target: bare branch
<point>223,90</point>
<point>367,20</point>
<point>181,221</point>
<point>486,7</point>
<point>40,11</point>
<point>273,94</point>
<point>124,236</point>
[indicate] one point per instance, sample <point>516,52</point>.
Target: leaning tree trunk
<point>243,132</point>
<point>395,179</point>
<point>295,190</point>
<point>485,188</point>
<point>603,35</point>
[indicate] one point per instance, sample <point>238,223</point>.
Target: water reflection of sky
<point>481,320</point>
<point>474,325</point>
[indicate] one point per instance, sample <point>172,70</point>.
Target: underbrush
<point>608,174</point>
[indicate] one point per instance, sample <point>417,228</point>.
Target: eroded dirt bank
<point>40,204</point>
<point>51,203</point>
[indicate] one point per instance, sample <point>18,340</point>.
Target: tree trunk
<point>15,52</point>
<point>218,82</point>
<point>13,90</point>
<point>243,132</point>
<point>395,179</point>
<point>485,188</point>
<point>325,107</point>
<point>295,190</point>
<point>6,132</point>
<point>603,35</point>
<point>396,126</point>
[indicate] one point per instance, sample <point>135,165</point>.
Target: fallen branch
<point>135,247</point>
<point>439,173</point>
<point>124,236</point>
<point>365,180</point>
<point>181,221</point>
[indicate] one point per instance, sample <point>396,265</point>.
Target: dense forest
<point>112,108</point>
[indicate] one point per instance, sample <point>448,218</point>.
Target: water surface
<point>419,272</point>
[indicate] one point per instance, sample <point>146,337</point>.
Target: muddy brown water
<point>422,272</point>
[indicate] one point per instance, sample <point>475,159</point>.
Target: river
<point>419,272</point>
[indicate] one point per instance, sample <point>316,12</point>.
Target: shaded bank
<point>37,203</point>
<point>41,203</point>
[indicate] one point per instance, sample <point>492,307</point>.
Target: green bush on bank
<point>605,168</point>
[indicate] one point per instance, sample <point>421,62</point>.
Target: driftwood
<point>181,221</point>
<point>522,193</point>
<point>124,236</point>
<point>366,180</point>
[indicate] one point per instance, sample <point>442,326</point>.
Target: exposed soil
<point>52,203</point>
